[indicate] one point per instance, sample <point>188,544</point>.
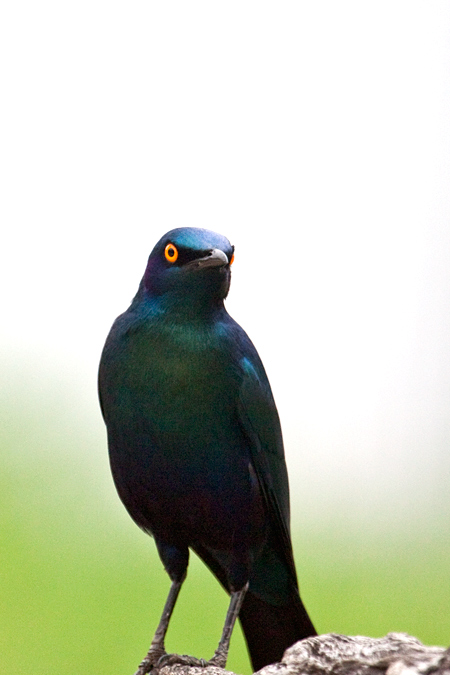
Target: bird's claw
<point>150,662</point>
<point>144,667</point>
<point>183,660</point>
<point>218,660</point>
<point>154,661</point>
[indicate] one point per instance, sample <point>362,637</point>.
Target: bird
<point>196,449</point>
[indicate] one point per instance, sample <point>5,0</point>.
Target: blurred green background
<point>82,587</point>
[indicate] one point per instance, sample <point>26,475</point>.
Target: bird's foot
<point>149,663</point>
<point>219,660</point>
<point>183,660</point>
<point>156,659</point>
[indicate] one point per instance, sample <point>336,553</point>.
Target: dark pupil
<point>171,252</point>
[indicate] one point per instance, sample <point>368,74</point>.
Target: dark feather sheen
<point>195,441</point>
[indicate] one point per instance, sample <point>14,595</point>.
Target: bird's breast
<point>178,452</point>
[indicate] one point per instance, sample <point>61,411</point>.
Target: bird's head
<point>190,265</point>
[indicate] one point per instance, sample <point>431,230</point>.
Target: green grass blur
<point>81,588</point>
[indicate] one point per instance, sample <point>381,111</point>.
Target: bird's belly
<point>210,496</point>
<point>206,499</point>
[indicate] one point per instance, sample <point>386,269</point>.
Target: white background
<point>315,135</point>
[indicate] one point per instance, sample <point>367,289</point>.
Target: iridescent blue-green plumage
<point>195,441</point>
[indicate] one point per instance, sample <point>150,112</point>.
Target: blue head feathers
<point>190,263</point>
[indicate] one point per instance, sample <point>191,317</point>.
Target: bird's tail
<point>272,615</point>
<point>269,629</point>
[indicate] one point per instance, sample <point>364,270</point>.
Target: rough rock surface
<point>395,654</point>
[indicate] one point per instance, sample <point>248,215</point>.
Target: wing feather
<point>259,419</point>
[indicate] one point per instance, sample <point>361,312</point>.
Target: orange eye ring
<point>232,259</point>
<point>171,253</point>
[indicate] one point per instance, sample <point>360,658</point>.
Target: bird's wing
<point>259,419</point>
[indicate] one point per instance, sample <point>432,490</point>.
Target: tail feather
<point>269,627</point>
<point>269,630</point>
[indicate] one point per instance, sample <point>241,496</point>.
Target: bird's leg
<point>221,654</point>
<point>157,648</point>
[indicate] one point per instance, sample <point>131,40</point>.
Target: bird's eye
<point>232,259</point>
<point>171,253</point>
